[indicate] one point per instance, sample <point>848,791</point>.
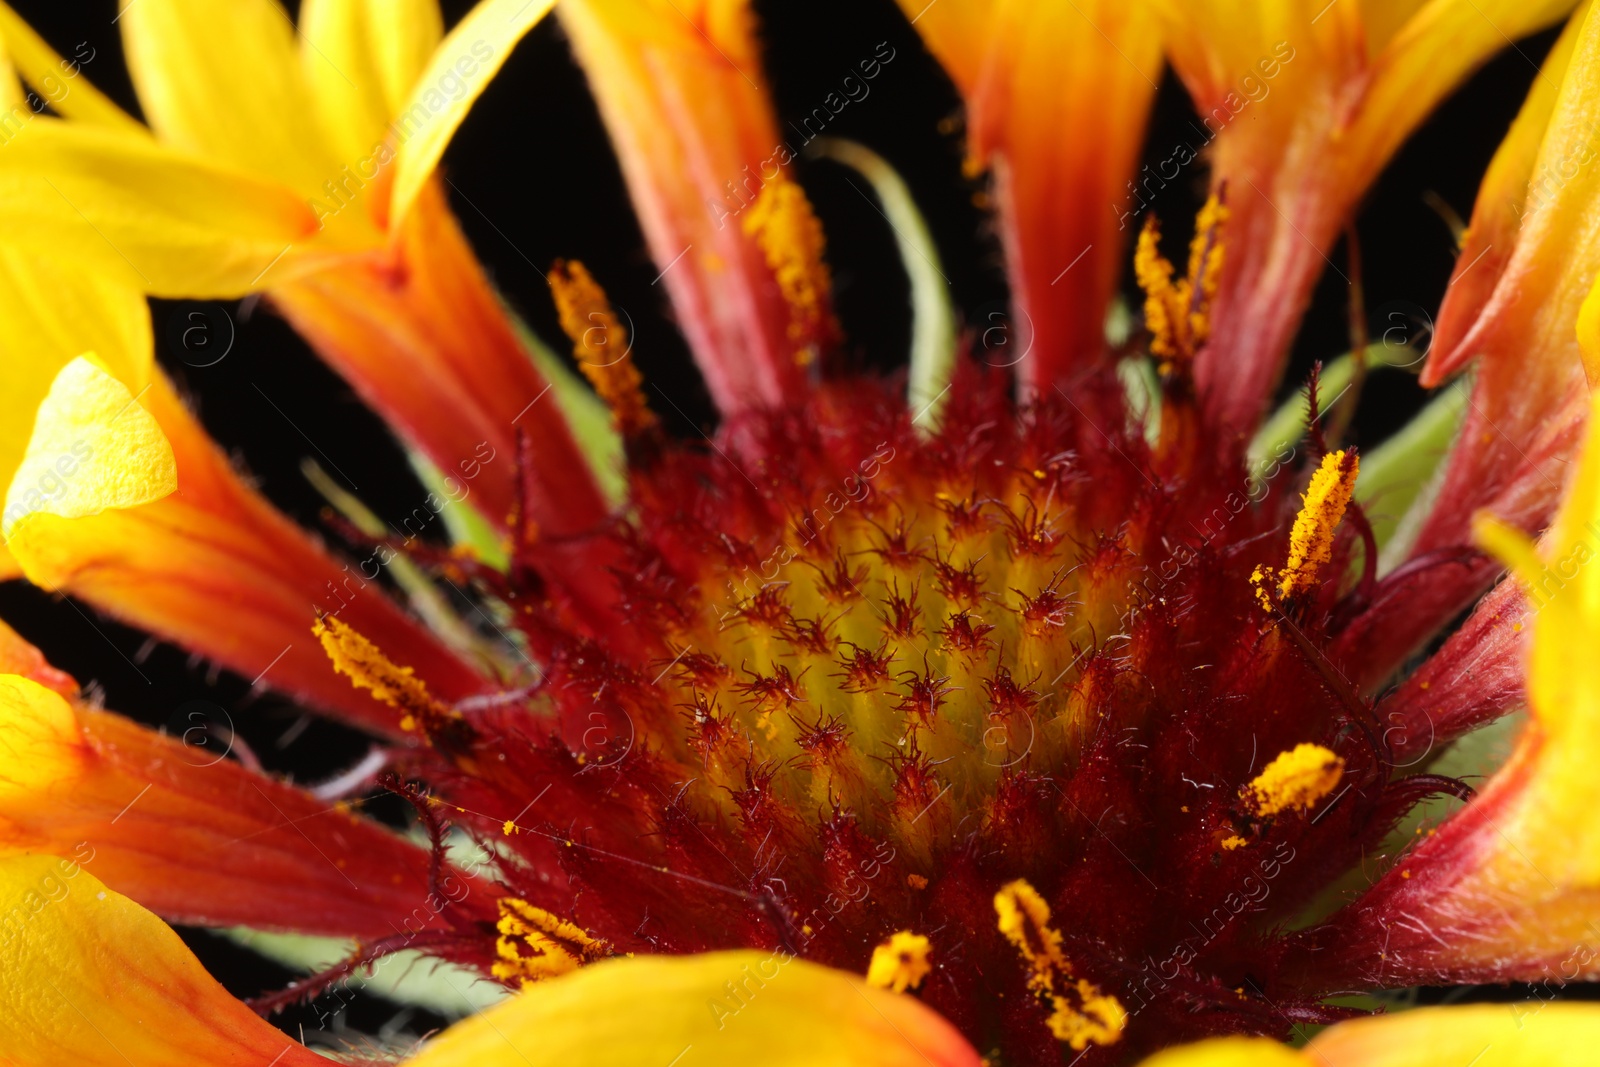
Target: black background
<point>535,179</point>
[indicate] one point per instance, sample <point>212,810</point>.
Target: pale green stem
<point>933,321</point>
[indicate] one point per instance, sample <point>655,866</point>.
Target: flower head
<point>1038,713</point>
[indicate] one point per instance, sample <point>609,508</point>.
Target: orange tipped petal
<point>681,89</point>
<point>718,1008</point>
<point>94,980</point>
<point>174,564</point>
<point>1041,81</point>
<point>194,836</point>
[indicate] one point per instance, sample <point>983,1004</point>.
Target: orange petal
<point>1303,103</point>
<point>689,1011</point>
<point>19,657</point>
<point>425,341</point>
<point>216,549</point>
<point>681,89</point>
<point>196,837</point>
<point>94,980</point>
<point>1041,81</point>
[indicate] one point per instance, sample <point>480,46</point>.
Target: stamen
<point>1177,312</point>
<point>1081,1014</point>
<point>367,667</point>
<point>900,963</point>
<point>1311,540</point>
<point>601,346</point>
<point>1297,778</point>
<point>535,944</point>
<point>1163,300</point>
<point>783,224</point>
<point>1205,267</point>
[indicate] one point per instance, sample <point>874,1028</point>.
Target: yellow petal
<point>93,447</point>
<point>185,227</point>
<point>50,313</point>
<point>692,1011</point>
<point>1528,1034</point>
<point>94,980</point>
<point>361,59</point>
<point>60,81</point>
<point>1230,1052</point>
<point>450,84</point>
<point>222,79</point>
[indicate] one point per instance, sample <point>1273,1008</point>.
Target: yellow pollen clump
<point>1311,540</point>
<point>1297,778</point>
<point>900,963</point>
<point>1080,1013</point>
<point>535,944</point>
<point>786,229</point>
<point>367,667</point>
<point>600,345</point>
<point>1177,312</point>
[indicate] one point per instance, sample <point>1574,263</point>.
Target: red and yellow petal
<point>1516,317</point>
<point>94,980</point>
<point>718,1008</point>
<point>114,533</point>
<point>423,338</point>
<point>196,837</point>
<point>1508,888</point>
<point>1041,81</point>
<point>682,92</point>
<point>1303,103</point>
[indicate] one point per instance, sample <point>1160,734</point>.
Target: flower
<point>888,728</point>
